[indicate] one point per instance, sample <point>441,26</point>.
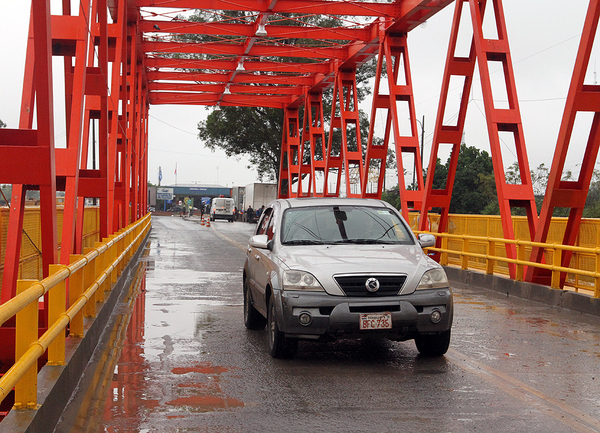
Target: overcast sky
<point>543,35</point>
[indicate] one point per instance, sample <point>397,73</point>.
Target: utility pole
<point>422,147</point>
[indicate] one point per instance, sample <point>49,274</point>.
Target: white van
<point>222,208</point>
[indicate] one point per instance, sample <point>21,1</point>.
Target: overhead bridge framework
<point>120,57</point>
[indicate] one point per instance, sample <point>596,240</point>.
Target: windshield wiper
<point>303,242</point>
<point>364,241</point>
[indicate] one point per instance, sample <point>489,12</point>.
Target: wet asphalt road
<point>187,364</point>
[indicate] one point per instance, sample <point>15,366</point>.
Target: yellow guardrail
<point>484,226</point>
<point>466,258</point>
<point>98,268</point>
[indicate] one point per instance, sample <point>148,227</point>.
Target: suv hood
<point>325,261</point>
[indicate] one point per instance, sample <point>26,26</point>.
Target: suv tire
<point>433,344</point>
<point>279,345</point>
<point>252,318</point>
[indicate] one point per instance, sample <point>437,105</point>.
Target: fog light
<point>304,319</point>
<point>436,316</point>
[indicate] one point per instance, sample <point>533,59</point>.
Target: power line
<point>172,126</point>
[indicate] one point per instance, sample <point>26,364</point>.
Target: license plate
<point>376,321</point>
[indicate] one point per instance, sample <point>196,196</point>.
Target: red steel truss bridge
<point>120,57</point>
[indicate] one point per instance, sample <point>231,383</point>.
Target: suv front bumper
<point>339,316</point>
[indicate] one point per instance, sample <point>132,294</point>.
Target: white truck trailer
<point>258,195</point>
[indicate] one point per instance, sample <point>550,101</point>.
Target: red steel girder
<point>86,97</point>
<point>200,77</point>
<point>40,151</point>
<point>313,151</point>
<point>344,118</point>
<point>343,48</point>
<point>242,100</point>
<point>498,120</point>
<point>217,88</point>
<point>288,162</point>
<point>217,49</point>
<point>563,193</point>
<point>249,30</point>
<point>394,51</point>
<point>250,66</point>
<point>319,7</point>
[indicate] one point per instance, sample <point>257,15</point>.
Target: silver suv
<point>326,268</point>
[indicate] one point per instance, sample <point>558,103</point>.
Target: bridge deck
<point>186,362</point>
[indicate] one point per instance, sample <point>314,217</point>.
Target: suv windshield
<point>343,224</point>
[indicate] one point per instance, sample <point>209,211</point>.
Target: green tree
<point>473,186</point>
<point>470,194</point>
<point>255,133</point>
<point>592,203</point>
<point>539,177</point>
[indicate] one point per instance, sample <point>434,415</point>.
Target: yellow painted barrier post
<point>556,257</point>
<point>520,258</point>
<point>118,251</point>
<point>597,279</point>
<point>491,252</point>
<point>26,334</point>
<point>121,249</point>
<point>444,254</point>
<point>89,276</point>
<point>465,257</point>
<point>112,256</point>
<point>98,267</point>
<point>103,263</point>
<point>57,303</point>
<point>75,291</point>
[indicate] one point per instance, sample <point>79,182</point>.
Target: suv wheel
<point>279,345</point>
<point>434,344</point>
<point>252,318</point>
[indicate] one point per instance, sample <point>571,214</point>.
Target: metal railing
<point>89,276</point>
<point>30,261</point>
<point>482,227</point>
<point>458,250</point>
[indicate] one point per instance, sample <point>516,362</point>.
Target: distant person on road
<point>250,215</point>
<point>260,211</point>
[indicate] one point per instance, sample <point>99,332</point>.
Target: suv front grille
<point>354,285</point>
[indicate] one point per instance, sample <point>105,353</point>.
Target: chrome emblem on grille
<point>372,285</point>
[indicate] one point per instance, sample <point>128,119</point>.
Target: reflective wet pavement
<point>185,362</point>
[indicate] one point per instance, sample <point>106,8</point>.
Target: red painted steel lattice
<point>120,57</point>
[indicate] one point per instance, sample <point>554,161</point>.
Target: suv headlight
<point>300,280</point>
<point>433,279</point>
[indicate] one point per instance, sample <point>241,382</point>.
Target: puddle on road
<point>147,372</point>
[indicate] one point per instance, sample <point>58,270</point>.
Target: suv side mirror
<point>259,241</point>
<point>426,240</point>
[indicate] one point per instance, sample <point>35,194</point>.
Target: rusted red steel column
<point>394,50</point>
<point>564,193</point>
<point>344,114</point>
<point>312,147</point>
<point>288,162</point>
